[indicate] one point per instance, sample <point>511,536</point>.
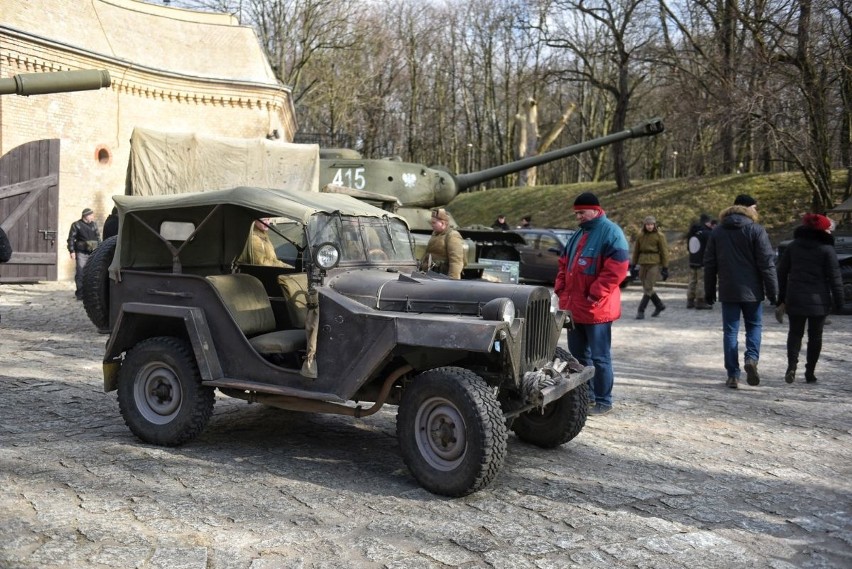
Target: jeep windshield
<point>361,240</point>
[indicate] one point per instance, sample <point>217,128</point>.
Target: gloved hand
<point>773,300</point>
<point>664,272</point>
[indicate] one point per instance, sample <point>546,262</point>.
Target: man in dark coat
<point>111,224</point>
<point>500,223</point>
<point>741,257</point>
<point>83,238</point>
<point>696,243</point>
<point>810,285</point>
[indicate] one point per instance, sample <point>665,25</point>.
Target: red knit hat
<point>817,221</point>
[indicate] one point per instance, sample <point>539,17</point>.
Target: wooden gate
<point>29,195</point>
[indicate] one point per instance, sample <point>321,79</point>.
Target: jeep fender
<point>138,321</point>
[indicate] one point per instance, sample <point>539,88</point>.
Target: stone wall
<point>171,70</point>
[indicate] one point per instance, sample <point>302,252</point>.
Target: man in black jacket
<point>696,243</point>
<point>82,241</point>
<point>740,255</point>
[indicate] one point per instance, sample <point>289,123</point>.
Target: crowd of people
<point>731,261</point>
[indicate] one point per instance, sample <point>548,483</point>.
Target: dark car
<point>464,360</point>
<point>540,256</point>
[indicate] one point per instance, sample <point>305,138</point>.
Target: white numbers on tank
<point>350,177</point>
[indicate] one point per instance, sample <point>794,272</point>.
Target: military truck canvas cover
<point>222,236</point>
<point>176,163</point>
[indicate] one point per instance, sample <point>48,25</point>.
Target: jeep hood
<point>427,292</point>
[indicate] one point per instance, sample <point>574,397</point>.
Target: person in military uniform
<point>445,251</point>
<point>261,251</point>
<point>83,239</point>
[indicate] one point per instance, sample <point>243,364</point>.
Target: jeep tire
<point>451,431</point>
<point>160,394</point>
<point>558,422</point>
<point>96,283</point>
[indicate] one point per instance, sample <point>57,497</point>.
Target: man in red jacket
<point>592,265</point>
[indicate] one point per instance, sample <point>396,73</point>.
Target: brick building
<point>171,70</point>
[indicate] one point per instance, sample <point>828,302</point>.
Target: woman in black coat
<point>810,285</point>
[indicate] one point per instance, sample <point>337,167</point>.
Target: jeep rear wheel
<point>558,422</point>
<point>160,394</point>
<point>451,431</point>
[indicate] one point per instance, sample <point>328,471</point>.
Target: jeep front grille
<point>537,345</point>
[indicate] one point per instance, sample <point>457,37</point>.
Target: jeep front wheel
<point>451,431</point>
<point>558,422</point>
<point>160,394</point>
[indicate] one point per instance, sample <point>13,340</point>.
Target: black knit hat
<point>745,200</point>
<point>587,200</point>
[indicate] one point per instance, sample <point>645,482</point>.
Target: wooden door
<point>29,196</point>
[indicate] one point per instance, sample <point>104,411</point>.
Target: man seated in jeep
<point>259,249</point>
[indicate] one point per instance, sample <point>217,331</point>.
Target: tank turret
<point>27,84</point>
<point>416,185</point>
<point>419,188</point>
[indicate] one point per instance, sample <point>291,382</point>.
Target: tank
<point>419,188</point>
<point>27,84</point>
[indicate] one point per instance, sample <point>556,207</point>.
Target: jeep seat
<point>248,303</point>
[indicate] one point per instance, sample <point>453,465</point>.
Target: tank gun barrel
<point>57,82</point>
<point>650,127</point>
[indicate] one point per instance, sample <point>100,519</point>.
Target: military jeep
<point>465,361</point>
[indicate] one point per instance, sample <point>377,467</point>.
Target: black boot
<point>640,314</point>
<point>658,305</point>
<point>790,374</point>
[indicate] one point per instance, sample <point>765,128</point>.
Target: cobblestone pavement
<point>684,473</point>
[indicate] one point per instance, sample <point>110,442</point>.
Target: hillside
<point>782,199</point>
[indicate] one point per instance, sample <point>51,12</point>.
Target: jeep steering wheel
<point>377,255</point>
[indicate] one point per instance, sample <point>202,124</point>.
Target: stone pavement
<point>684,473</point>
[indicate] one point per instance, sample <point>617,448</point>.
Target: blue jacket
<point>591,268</point>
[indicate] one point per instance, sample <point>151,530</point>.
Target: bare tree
<point>606,40</point>
<point>802,72</point>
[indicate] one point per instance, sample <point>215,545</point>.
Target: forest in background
<point>743,86</point>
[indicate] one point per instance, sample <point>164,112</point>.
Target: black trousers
<point>815,325</point>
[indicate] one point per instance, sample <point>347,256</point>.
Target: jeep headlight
<point>499,309</point>
<point>327,256</point>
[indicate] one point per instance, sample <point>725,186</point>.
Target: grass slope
<point>676,204</point>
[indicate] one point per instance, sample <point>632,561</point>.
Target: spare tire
<point>96,284</point>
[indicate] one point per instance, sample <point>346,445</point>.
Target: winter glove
<point>773,300</point>
<point>664,272</point>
